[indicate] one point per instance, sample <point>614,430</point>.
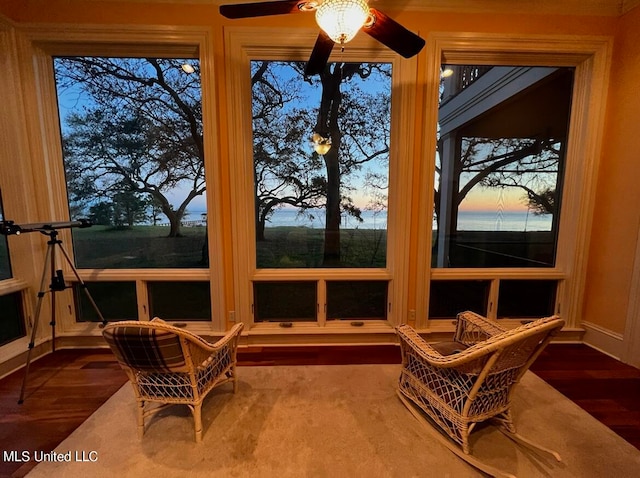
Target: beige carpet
<point>332,421</point>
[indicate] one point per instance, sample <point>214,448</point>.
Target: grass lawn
<point>101,247</point>
<point>302,247</point>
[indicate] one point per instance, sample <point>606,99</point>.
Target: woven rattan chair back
<point>167,365</point>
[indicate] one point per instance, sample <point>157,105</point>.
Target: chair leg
<point>234,378</point>
<point>452,446</point>
<point>140,413</point>
<point>197,421</point>
<point>529,444</point>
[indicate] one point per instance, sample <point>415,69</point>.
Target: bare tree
<point>138,129</point>
<point>286,173</point>
<point>357,123</point>
<point>528,164</point>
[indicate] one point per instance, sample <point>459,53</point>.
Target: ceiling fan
<point>339,21</point>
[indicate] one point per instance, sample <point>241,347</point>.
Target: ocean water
<point>467,220</point>
<point>290,217</point>
<point>503,221</point>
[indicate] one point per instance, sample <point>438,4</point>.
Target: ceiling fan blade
<point>395,36</point>
<point>320,54</point>
<point>260,9</point>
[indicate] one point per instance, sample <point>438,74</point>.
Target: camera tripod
<point>57,284</point>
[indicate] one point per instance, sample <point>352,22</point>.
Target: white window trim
<point>18,194</point>
<point>36,45</point>
<point>591,57</point>
<point>245,44</point>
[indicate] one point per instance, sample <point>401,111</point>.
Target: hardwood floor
<point>64,388</point>
<point>609,390</point>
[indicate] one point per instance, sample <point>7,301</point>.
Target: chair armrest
<point>472,328</point>
<point>474,358</point>
<point>470,360</point>
<point>203,351</point>
<point>232,335</point>
<point>410,338</point>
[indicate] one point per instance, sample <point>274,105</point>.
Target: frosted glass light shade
<point>322,148</point>
<point>187,68</point>
<point>321,145</point>
<point>341,19</point>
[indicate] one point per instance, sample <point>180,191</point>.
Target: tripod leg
<point>83,285</point>
<point>54,287</point>
<point>35,324</point>
<point>53,320</point>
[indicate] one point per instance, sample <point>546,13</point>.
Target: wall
<point>617,215</point>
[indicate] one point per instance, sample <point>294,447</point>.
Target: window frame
<point>591,57</point>
<point>243,44</point>
<point>38,47</point>
<point>18,196</point>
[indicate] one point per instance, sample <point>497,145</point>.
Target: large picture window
<point>133,153</point>
<point>513,131</point>
<point>321,164</point>
<point>500,162</point>
<point>499,169</point>
<point>320,182</point>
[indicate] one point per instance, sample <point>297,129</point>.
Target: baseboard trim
<point>604,340</point>
<point>20,360</point>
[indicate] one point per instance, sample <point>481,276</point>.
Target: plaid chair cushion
<point>146,349</point>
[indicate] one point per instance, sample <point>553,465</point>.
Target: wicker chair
<point>167,365</point>
<point>461,383</point>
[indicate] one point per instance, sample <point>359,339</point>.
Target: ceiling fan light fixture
<point>446,73</point>
<point>321,144</point>
<point>342,19</point>
<point>187,68</point>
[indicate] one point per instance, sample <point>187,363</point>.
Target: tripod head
<point>9,227</point>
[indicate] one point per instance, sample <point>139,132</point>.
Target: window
<point>501,155</point>
<point>448,298</point>
<point>129,151</point>
<point>320,180</point>
<point>11,320</point>
<point>502,145</point>
<point>115,301</point>
<point>500,162</point>
<point>357,300</point>
<point>133,150</point>
<point>321,164</point>
<point>5,263</point>
<point>321,169</point>
<point>285,301</point>
<point>180,300</point>
<point>513,142</point>
<point>527,298</point>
